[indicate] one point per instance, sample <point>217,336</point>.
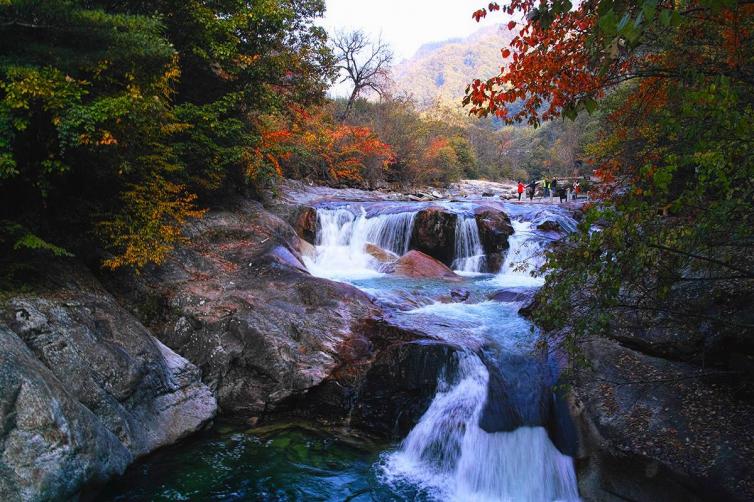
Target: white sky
<point>407,24</point>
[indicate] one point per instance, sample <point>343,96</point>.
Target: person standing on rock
<point>520,189</point>
<point>531,187</point>
<point>553,189</point>
<point>546,191</point>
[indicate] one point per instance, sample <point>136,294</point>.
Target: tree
<point>108,106</point>
<point>675,81</point>
<point>362,63</point>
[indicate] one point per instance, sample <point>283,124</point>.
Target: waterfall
<point>469,254</point>
<point>449,456</point>
<point>343,234</point>
<point>525,254</point>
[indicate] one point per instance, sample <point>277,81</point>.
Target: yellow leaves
<point>107,139</point>
<point>151,225</point>
<point>246,60</point>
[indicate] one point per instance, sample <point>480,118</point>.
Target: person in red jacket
<point>520,189</point>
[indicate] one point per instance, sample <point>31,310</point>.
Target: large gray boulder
<point>85,389</point>
<point>237,302</point>
<point>656,429</point>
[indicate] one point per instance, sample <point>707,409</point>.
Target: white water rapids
<point>447,455</point>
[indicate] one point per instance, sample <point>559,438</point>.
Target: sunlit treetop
<point>564,57</point>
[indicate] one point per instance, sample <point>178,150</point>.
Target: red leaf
<point>511,25</point>
<point>506,53</point>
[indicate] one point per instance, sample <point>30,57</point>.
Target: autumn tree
<point>362,63</point>
<point>115,115</point>
<point>675,82</point>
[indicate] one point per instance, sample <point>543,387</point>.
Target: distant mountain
<point>442,70</point>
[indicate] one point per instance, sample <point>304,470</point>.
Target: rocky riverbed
<point>376,315</point>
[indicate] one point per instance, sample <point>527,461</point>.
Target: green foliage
<point>99,99</point>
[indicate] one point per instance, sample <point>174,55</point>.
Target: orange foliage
<point>313,143</point>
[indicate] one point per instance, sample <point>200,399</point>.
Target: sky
<point>407,24</point>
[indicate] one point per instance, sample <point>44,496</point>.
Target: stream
<point>491,430</point>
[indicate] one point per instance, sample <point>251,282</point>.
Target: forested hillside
<point>439,72</point>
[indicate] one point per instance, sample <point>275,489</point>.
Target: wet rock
<point>494,229</point>
<point>381,255</point>
<point>85,389</point>
<point>417,264</point>
<point>511,296</point>
<point>550,226</point>
<point>284,256</point>
<point>398,388</point>
<point>459,295</point>
<point>435,234</point>
<point>305,224</point>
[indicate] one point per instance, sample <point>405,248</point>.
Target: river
<point>488,434</point>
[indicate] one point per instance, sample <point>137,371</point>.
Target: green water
<point>283,463</point>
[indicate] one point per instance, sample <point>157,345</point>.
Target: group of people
<point>551,189</point>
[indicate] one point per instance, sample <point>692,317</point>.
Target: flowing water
<point>466,446</point>
<point>469,254</point>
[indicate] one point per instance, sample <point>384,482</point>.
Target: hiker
<point>553,188</point>
<point>546,192</point>
<point>520,189</point>
<point>576,189</point>
<point>531,188</point>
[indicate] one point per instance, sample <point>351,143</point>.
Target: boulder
<point>51,445</point>
<point>85,389</point>
<point>260,328</point>
<point>435,234</point>
<point>400,385</point>
<point>550,226</point>
<point>494,229</point>
<point>381,255</point>
<point>305,224</point>
<point>386,385</point>
<point>655,429</point>
<point>417,264</point>
<point>455,296</point>
<point>512,296</point>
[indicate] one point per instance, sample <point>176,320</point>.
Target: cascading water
<point>469,254</point>
<point>450,457</point>
<point>343,235</point>
<point>524,256</point>
<point>448,453</point>
<point>482,436</point>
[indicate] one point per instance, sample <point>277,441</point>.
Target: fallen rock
<point>494,229</point>
<point>417,264</point>
<point>434,234</point>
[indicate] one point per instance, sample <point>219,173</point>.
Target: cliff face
<point>85,389</point>
<point>665,410</point>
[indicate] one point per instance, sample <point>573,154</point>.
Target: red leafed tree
<point>311,144</point>
<point>564,58</point>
